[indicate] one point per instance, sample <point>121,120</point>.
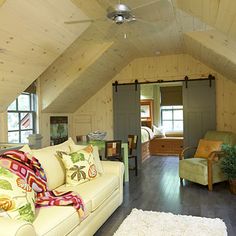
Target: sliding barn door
<point>126,110</point>
<point>199,102</point>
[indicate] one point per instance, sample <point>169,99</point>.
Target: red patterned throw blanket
<point>31,171</point>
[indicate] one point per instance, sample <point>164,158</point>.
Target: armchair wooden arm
<point>181,155</point>
<point>213,156</point>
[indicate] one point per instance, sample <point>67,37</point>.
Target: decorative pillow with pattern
<point>16,197</point>
<point>80,166</point>
<point>98,164</point>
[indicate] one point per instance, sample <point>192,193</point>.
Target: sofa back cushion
<point>52,164</point>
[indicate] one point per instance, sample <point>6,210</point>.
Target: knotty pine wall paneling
<point>172,67</point>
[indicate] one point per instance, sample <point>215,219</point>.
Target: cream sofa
<point>101,197</point>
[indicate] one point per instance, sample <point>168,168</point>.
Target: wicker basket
<point>232,186</point>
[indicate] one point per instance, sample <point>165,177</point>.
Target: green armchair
<point>205,171</point>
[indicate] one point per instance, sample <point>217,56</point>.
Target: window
<point>21,118</point>
<point>172,118</point>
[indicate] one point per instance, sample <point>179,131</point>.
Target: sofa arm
<point>10,227</point>
<point>113,167</point>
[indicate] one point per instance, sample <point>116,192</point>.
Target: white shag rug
<point>149,223</point>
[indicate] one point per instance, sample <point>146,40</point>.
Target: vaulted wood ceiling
<point>73,61</point>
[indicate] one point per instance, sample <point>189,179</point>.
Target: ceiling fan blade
<point>84,21</point>
<point>106,4</point>
<point>161,10</point>
<point>145,4</point>
<point>150,28</point>
<point>145,21</point>
<point>78,21</point>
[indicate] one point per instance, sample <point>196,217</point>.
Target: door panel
<point>126,112</point>
<point>199,110</point>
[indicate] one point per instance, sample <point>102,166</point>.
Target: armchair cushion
<point>195,170</point>
<point>225,136</point>
<point>205,147</point>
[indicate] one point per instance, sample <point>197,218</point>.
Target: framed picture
<point>58,129</point>
<point>145,111</point>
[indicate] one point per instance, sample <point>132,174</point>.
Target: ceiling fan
<point>121,13</point>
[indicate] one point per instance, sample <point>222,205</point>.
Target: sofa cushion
<point>52,164</point>
<point>55,220</point>
<point>97,190</point>
<point>80,166</point>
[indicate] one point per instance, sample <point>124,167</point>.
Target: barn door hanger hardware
<point>186,81</point>
<point>210,77</point>
<point>116,84</point>
<point>136,84</point>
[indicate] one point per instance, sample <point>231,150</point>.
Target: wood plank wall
<point>97,114</point>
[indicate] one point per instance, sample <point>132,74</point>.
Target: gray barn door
<point>199,104</point>
<point>126,112</point>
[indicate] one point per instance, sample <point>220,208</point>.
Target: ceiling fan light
<point>119,19</point>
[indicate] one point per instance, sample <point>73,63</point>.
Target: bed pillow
<point>75,148</point>
<point>159,132</point>
<point>80,166</point>
<point>16,197</point>
<point>205,147</point>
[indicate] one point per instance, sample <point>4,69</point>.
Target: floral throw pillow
<point>16,197</point>
<point>80,166</point>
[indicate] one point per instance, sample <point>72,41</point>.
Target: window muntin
<point>172,118</point>
<point>21,118</point>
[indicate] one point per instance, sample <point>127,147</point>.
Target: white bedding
<point>146,134</point>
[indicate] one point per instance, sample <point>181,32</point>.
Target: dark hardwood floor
<point>157,188</point>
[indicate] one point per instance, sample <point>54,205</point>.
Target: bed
<point>167,146</point>
<point>146,136</point>
<point>170,144</point>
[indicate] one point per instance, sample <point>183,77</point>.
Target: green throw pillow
<point>16,197</point>
<point>80,166</point>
